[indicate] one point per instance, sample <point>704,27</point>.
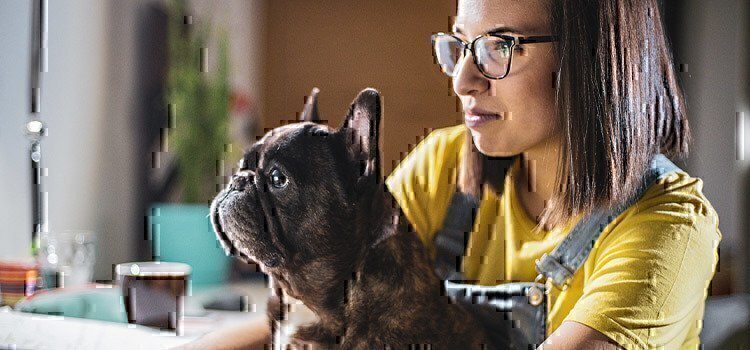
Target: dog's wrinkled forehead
<point>277,140</point>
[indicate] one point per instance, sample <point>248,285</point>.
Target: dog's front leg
<point>316,337</point>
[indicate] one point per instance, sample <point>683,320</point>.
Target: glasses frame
<point>470,46</point>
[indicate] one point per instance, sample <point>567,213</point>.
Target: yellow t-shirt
<point>643,285</point>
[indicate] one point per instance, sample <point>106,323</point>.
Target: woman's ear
<point>361,130</point>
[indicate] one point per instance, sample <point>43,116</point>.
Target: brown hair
<point>618,103</point>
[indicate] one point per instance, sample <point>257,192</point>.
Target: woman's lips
<point>474,118</point>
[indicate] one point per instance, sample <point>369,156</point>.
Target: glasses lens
<point>493,55</point>
<point>448,51</point>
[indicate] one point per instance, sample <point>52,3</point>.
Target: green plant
<point>198,106</point>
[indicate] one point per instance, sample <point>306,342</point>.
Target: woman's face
<point>517,113</point>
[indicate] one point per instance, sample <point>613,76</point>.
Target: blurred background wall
<point>15,213</point>
<point>75,105</point>
<point>103,59</point>
<point>344,46</point>
<point>711,41</point>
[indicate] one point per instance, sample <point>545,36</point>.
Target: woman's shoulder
<point>671,213</point>
<point>677,193</point>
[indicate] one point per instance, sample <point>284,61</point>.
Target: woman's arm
<point>574,335</point>
<point>253,334</point>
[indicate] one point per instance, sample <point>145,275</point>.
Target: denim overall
<point>515,314</point>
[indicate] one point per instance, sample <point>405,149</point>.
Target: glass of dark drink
<point>154,293</point>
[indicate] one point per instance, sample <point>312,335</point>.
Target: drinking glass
<point>66,258</point>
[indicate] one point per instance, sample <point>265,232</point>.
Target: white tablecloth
<point>31,331</point>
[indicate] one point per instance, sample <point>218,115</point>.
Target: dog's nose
<point>240,181</point>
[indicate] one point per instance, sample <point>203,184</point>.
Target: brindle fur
<point>337,241</point>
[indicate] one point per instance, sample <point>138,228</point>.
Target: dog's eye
<point>278,180</point>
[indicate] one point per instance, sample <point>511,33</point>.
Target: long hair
<point>618,104</point>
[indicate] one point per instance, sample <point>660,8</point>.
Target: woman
<point>580,118</point>
<point>590,97</point>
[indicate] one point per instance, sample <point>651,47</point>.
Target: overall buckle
<point>550,269</point>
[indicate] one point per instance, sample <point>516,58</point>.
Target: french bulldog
<point>309,207</point>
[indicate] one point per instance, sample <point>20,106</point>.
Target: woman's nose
<point>468,80</point>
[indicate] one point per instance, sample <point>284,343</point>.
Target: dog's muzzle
<point>239,183</point>
<point>216,222</point>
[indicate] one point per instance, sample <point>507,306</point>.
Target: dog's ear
<point>310,113</point>
<point>361,130</point>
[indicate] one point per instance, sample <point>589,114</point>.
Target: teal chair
<point>183,233</point>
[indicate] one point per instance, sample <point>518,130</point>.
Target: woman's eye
<point>504,50</point>
<point>278,180</point>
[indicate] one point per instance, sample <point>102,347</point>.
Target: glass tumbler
<point>66,258</point>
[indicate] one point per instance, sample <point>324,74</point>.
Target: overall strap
<point>561,264</point>
<point>450,242</point>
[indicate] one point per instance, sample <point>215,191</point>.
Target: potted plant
<point>198,105</point>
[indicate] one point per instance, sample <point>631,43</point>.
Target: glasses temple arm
<point>537,39</point>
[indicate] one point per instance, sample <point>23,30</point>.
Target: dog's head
<point>296,196</point>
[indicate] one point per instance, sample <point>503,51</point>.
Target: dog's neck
<point>380,215</point>
<point>326,283</point>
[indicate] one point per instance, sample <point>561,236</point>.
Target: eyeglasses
<point>492,52</point>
